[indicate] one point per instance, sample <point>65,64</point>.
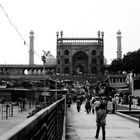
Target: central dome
<point>50,60</point>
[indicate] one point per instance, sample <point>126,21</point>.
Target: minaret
<point>119,47</point>
<point>31,48</point>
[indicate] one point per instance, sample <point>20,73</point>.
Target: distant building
<point>80,55</point>
<point>31,48</point>
<point>74,56</point>
<point>105,61</point>
<point>50,60</point>
<point>119,46</point>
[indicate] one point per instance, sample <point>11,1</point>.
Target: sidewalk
<point>18,117</point>
<point>82,126</point>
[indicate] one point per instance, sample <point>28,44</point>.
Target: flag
<point>46,53</point>
<point>24,42</point>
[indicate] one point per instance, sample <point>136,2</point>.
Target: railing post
<point>64,118</point>
<point>7,107</point>
<point>64,96</point>
<point>47,124</point>
<point>139,121</point>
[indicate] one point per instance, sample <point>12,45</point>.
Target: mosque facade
<point>73,56</point>
<point>80,55</point>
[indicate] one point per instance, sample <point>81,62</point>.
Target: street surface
<point>82,126</point>
<point>18,117</point>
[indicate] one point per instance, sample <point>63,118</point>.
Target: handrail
<point>46,124</point>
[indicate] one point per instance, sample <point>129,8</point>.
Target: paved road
<point>82,126</point>
<point>18,117</point>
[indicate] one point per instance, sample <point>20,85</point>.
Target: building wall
<point>86,54</point>
<point>26,69</point>
<point>6,95</point>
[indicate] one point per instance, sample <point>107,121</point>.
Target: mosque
<point>81,55</point>
<point>74,56</point>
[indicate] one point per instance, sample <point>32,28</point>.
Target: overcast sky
<point>77,18</point>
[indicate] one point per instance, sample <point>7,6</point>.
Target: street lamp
<point>44,60</point>
<point>55,90</point>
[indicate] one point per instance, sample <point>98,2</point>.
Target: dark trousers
<point>113,111</point>
<point>98,130</point>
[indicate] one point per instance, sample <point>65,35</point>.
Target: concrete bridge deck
<point>9,123</point>
<point>82,126</point>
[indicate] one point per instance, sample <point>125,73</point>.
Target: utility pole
<point>44,60</point>
<point>45,94</point>
<point>56,90</point>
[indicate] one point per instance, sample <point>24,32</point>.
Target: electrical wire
<point>25,43</point>
<point>12,23</point>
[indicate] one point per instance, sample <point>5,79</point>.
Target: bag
<point>93,110</point>
<point>102,122</point>
<point>87,105</point>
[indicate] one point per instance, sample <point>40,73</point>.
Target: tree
<point>129,63</point>
<point>116,66</point>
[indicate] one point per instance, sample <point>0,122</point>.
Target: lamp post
<point>44,60</point>
<point>56,90</point>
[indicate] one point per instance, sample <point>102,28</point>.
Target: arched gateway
<point>80,62</point>
<point>80,55</point>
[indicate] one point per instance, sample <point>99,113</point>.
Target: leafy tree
<point>130,62</point>
<point>116,66</point>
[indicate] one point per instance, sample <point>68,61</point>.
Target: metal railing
<point>47,124</point>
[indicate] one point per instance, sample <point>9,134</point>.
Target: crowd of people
<point>92,105</point>
<point>101,106</point>
<point>2,100</point>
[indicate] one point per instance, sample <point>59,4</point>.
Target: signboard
<point>45,93</point>
<point>3,86</point>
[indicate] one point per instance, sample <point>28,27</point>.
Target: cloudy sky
<point>77,18</point>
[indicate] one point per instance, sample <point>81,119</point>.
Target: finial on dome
<point>102,33</point>
<point>31,32</point>
<point>119,32</point>
<point>57,33</point>
<point>99,34</point>
<point>61,33</point>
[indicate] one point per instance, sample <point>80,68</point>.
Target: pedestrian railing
<point>47,124</point>
<point>6,110</point>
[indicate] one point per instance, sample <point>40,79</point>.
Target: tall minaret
<point>31,48</point>
<point>119,47</point>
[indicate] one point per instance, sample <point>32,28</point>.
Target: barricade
<point>6,110</point>
<point>46,124</point>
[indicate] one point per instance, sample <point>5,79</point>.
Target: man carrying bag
<point>101,121</point>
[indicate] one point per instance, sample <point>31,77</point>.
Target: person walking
<point>101,121</point>
<point>92,105</point>
<point>109,106</point>
<point>114,105</point>
<point>96,104</point>
<point>78,105</point>
<point>88,106</point>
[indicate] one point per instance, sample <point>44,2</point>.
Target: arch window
<point>58,62</point>
<point>58,70</point>
<point>94,61</point>
<point>101,53</point>
<point>101,61</point>
<point>93,52</point>
<point>26,72</point>
<point>66,61</point>
<point>93,70</point>
<point>101,69</point>
<point>66,52</point>
<point>66,70</point>
<point>58,52</point>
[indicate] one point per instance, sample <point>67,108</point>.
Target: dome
<point>105,61</point>
<point>50,60</point>
<point>119,32</point>
<point>31,32</point>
